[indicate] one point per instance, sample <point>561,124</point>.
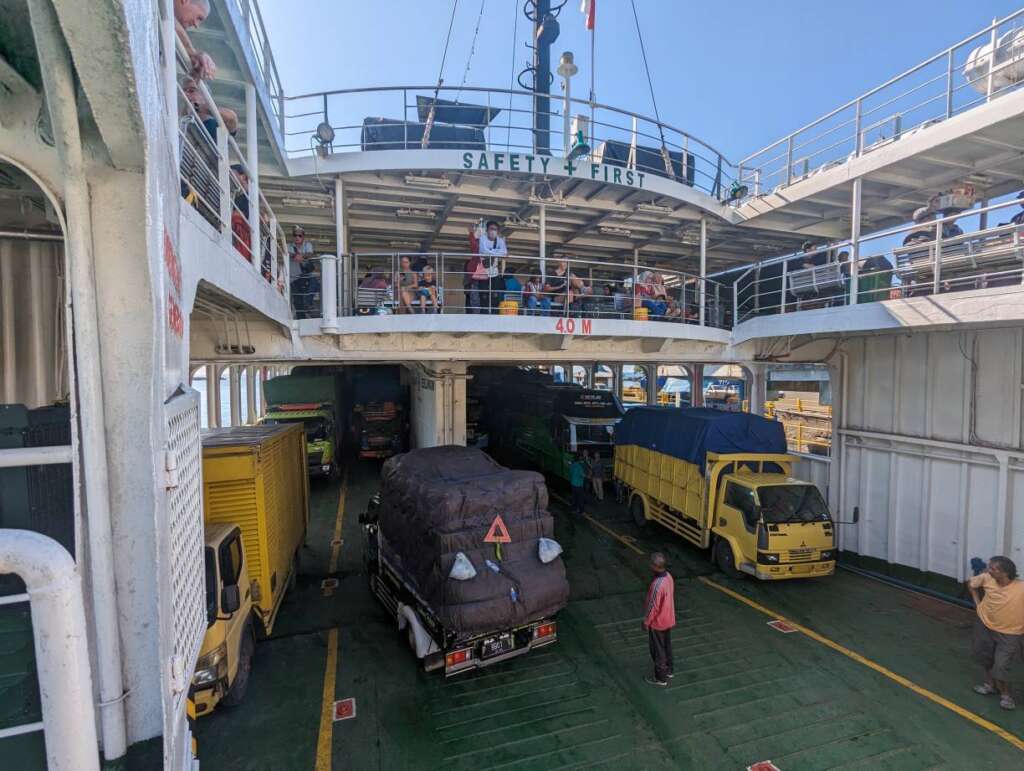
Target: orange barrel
<point>640,314</point>
<point>508,308</point>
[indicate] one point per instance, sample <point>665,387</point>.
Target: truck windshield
<point>792,503</point>
<point>316,428</point>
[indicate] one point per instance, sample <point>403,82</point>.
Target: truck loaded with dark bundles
<point>438,505</point>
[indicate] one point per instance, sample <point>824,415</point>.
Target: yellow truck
<point>723,481</point>
<point>256,509</point>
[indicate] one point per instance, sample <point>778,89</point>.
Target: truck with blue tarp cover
<point>723,481</point>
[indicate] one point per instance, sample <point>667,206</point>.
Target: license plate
<point>800,569</point>
<point>497,646</point>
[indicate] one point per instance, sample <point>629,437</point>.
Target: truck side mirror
<point>229,599</point>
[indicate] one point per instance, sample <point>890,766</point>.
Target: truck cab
<point>772,526</point>
<point>225,659</point>
<point>321,440</point>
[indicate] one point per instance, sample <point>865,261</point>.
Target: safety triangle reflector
<point>498,532</point>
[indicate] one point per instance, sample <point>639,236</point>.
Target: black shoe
<point>655,681</point>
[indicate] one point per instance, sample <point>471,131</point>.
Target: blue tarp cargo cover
<point>691,433</point>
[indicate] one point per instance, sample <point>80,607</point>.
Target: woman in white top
<point>491,246</point>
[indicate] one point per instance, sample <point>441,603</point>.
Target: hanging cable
<point>472,49</point>
<point>654,101</point>
<point>440,79</point>
<point>512,78</point>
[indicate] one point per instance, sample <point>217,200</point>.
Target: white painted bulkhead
<point>929,447</point>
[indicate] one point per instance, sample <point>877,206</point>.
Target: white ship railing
<point>211,185</point>
<point>372,284</point>
<point>947,84</point>
<point>939,261</point>
<point>259,44</point>
<point>639,142</point>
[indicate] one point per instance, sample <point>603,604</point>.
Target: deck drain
<point>329,583</point>
<point>337,542</point>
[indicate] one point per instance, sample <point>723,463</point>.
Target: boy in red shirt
<point>659,618</point>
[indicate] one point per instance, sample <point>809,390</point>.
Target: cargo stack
<point>438,506</point>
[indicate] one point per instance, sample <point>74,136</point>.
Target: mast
<point>545,31</point>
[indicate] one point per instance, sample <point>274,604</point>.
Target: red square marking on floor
<point>780,626</point>
<point>763,765</point>
<point>345,709</point>
<point>329,583</point>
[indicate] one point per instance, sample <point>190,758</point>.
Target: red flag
<point>589,9</point>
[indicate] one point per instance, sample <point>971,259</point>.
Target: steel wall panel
<point>934,490</point>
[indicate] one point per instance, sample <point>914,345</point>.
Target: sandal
<point>1007,702</point>
<point>985,689</point>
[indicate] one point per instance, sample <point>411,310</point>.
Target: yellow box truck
<point>256,509</point>
<point>723,481</point>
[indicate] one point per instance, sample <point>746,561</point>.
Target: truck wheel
<point>636,508</point>
<point>236,693</point>
<point>725,560</point>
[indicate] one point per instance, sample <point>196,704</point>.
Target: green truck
<point>313,401</point>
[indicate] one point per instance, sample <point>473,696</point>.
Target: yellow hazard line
<point>323,742</point>
<point>930,695</point>
<point>620,538</point>
<point>339,519</point>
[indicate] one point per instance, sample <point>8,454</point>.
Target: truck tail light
<point>458,657</point>
<point>544,630</point>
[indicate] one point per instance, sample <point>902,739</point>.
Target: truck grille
<point>801,555</point>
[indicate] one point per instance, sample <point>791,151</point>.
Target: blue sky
<point>737,74</point>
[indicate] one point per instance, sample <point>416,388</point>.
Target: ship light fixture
<point>610,230</point>
<point>653,208</point>
<point>432,183</point>
<point>415,213</point>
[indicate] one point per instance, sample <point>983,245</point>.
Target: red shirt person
<point>659,618</point>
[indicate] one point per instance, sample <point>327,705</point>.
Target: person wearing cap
<point>925,232</point>
<point>659,618</point>
<point>299,250</point>
<point>1018,218</point>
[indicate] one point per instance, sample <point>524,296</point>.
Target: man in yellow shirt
<point>999,630</point>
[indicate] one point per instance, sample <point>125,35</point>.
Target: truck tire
<point>725,560</point>
<point>636,508</point>
<point>236,693</point>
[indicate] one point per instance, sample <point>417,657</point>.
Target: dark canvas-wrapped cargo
<point>441,501</point>
<point>693,432</point>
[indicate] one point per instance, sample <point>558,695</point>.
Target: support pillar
<point>855,240</point>
<point>235,395</point>
<point>212,396</point>
<point>757,393</point>
<point>697,385</point>
<point>542,245</point>
<point>703,269</point>
<point>439,404</point>
<point>250,395</point>
<point>652,383</point>
<point>345,294</point>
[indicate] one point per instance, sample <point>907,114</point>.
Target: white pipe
<point>62,654</point>
<point>63,109</point>
<point>703,267</point>
<point>35,456</point>
<point>347,296</point>
<point>855,208</point>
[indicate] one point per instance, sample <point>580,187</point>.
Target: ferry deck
<point>869,265</point>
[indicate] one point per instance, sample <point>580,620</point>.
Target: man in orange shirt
<point>999,630</point>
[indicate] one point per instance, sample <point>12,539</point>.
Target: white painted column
<point>542,245</point>
<point>757,393</point>
<point>212,397</point>
<point>345,296</point>
<point>250,394</point>
<point>439,405</point>
<point>235,395</point>
<point>252,160</point>
<point>855,240</point>
<point>703,268</point>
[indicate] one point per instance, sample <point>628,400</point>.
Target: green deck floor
<point>742,693</point>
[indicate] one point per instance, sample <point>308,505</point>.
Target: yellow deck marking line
<point>323,742</point>
<point>339,519</point>
<point>620,538</point>
<point>930,695</point>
